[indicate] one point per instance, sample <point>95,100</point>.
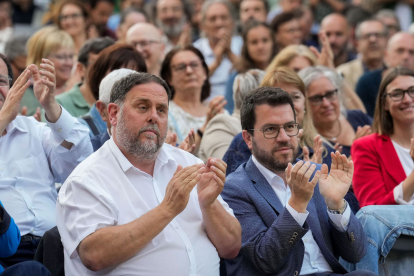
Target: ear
<point>119,32</point>
<point>113,111</point>
<point>102,110</point>
<point>248,138</point>
<point>80,70</point>
<point>386,58</point>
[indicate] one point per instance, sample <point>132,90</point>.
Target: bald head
<point>147,39</point>
<point>336,28</point>
<point>400,50</point>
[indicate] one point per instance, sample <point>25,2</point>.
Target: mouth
<point>407,108</point>
<point>284,150</point>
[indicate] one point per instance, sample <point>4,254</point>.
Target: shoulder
<point>350,65</point>
<point>27,123</point>
<point>369,141</point>
<point>200,43</point>
<point>358,118</point>
<point>225,122</point>
<point>371,75</point>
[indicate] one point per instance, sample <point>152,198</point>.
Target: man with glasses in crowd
<point>294,218</point>
<point>35,156</point>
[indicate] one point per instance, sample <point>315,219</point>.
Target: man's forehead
<point>3,68</point>
<point>279,114</point>
<point>150,90</point>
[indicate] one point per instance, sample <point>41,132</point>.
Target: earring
<point>304,111</point>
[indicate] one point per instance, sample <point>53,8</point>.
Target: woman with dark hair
<point>114,57</point>
<point>186,72</point>
<point>257,53</point>
<point>384,167</point>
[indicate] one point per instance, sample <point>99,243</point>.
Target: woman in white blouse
<point>384,160</point>
<point>186,72</point>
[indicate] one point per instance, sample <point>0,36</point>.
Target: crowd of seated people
<point>202,137</point>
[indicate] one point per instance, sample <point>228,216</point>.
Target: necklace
<point>334,138</point>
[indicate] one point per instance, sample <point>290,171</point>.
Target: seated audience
<point>371,38</point>
<point>257,52</point>
<point>295,57</point>
<point>56,45</point>
<point>131,228</point>
<point>335,124</point>
<point>384,160</point>
<point>35,156</point>
<point>124,5</point>
<point>286,30</point>
<point>306,19</point>
<point>219,48</point>
<point>112,58</point>
<point>79,99</point>
<point>294,218</point>
<point>16,52</point>
<point>147,40</point>
<point>253,10</point>
<point>399,52</point>
<point>99,12</point>
<point>390,20</point>
<point>221,130</point>
<point>186,72</point>
<point>337,31</point>
<point>323,9</point>
<point>129,17</point>
<point>71,16</point>
<point>284,6</point>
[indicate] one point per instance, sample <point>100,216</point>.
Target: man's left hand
<point>335,185</point>
<point>212,182</point>
<point>44,87</point>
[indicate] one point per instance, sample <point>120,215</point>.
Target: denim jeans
<point>383,224</point>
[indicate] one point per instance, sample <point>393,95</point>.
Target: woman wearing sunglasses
<point>384,160</point>
<point>336,125</point>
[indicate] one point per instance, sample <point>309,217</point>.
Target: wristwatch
<point>340,211</point>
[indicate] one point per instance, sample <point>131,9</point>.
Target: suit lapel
<point>389,156</point>
<point>263,187</point>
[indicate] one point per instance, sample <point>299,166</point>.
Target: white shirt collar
<point>270,176</point>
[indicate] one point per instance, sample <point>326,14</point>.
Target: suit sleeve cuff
<point>5,220</point>
<point>341,222</point>
<point>63,126</point>
<point>299,217</point>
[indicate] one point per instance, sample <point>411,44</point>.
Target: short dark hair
<point>166,69</point>
<point>124,85</point>
<point>283,18</point>
<point>124,14</point>
<point>187,9</point>
<point>117,56</point>
<point>95,46</point>
<point>94,3</point>
<point>9,68</point>
<point>273,96</point>
<point>264,2</point>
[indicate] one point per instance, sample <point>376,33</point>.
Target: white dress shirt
<point>313,260</point>
<point>107,190</point>
<point>32,160</point>
<point>219,78</point>
<point>408,166</point>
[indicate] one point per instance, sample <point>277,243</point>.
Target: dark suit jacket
<point>100,139</point>
<point>377,170</point>
<point>272,239</point>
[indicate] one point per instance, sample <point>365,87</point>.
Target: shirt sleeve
<point>341,222</point>
<point>83,207</point>
<point>61,160</point>
<point>399,196</point>
<point>299,217</point>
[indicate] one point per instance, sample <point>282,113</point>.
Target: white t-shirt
<point>408,166</point>
<point>107,190</point>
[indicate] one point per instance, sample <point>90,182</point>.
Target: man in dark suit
<point>294,220</point>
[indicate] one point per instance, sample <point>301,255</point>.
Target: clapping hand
<point>189,143</point>
<point>326,56</point>
<point>317,151</point>
<point>212,182</point>
<point>335,184</point>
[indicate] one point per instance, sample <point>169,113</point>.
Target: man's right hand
<point>11,105</point>
<point>297,178</point>
<point>179,188</point>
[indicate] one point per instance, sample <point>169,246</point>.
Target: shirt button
<point>305,240</point>
<point>30,208</point>
<point>313,264</point>
<point>19,189</point>
<point>59,130</point>
<point>189,249</point>
<point>2,169</point>
<point>32,230</point>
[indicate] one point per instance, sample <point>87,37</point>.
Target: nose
<point>189,69</point>
<point>153,116</point>
<point>407,98</point>
<point>282,136</point>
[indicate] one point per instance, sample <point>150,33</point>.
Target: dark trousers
<point>25,252</point>
<point>359,272</point>
<point>25,269</point>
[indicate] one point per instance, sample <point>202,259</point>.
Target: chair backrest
<point>50,252</point>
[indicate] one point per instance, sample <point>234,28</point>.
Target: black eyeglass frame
<point>403,93</point>
<point>278,130</point>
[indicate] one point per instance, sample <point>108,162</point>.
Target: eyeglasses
<point>63,57</point>
<point>5,81</point>
<point>272,131</point>
<point>144,43</point>
<point>70,16</point>
<point>181,67</point>
<point>398,94</point>
<point>330,96</point>
<point>375,35</point>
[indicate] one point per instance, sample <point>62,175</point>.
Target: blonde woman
<point>57,46</point>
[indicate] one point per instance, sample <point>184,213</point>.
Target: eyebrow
<point>291,122</point>
<point>145,100</point>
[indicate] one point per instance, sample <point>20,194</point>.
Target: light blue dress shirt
<point>32,161</point>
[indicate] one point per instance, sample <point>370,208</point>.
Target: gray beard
<point>269,161</point>
<point>174,30</point>
<point>144,151</point>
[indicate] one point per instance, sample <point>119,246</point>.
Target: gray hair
<point>312,73</point>
<point>125,84</point>
<point>124,14</point>
<point>16,47</point>
<point>207,4</point>
<point>244,83</point>
<point>387,13</point>
<point>358,27</point>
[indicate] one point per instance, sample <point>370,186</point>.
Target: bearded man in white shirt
<point>132,207</point>
<point>34,156</point>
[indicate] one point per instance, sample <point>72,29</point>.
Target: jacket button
<point>295,234</point>
<point>296,273</point>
